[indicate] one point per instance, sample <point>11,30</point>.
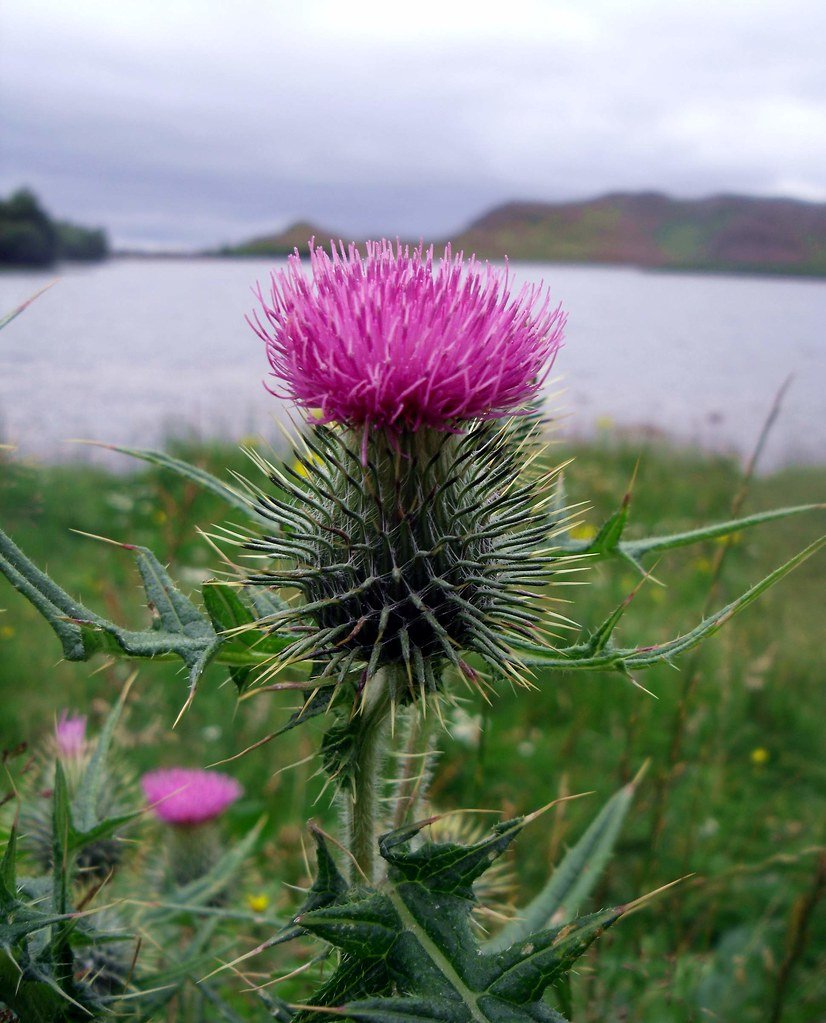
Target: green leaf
<point>205,480</point>
<point>61,824</point>
<point>409,953</point>
<point>6,320</point>
<point>8,865</point>
<point>601,655</point>
<point>609,543</point>
<point>180,629</point>
<point>574,878</point>
<point>85,805</point>
<point>230,615</point>
<point>228,612</point>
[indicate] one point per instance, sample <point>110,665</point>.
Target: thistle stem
<point>412,782</point>
<point>363,799</point>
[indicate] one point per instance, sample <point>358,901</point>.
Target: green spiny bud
<point>411,552</point>
<point>103,962</point>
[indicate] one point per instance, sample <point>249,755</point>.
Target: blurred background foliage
<point>735,794</point>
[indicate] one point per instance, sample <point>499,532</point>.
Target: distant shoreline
<point>648,230</point>
<point>698,269</point>
<point>213,257</point>
<point>717,235</point>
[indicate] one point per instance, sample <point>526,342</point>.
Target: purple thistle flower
<point>184,796</point>
<point>70,734</point>
<point>386,340</point>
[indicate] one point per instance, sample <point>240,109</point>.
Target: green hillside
<point>720,233</point>
<point>653,230</point>
<point>281,243</point>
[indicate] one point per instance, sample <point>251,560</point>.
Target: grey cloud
<point>202,123</point>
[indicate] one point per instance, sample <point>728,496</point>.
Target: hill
<point>648,229</point>
<point>281,243</point>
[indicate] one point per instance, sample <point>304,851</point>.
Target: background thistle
<point>188,802</point>
<point>69,746</point>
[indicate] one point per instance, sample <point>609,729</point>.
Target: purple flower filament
<point>70,734</point>
<point>386,340</point>
<point>185,797</point>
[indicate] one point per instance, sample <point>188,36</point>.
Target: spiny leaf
<point>328,888</point>
<point>57,607</point>
<point>585,656</point>
<point>180,629</point>
<point>410,941</point>
<point>609,543</point>
<point>194,473</point>
<point>574,878</point>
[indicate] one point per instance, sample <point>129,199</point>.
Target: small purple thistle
<point>185,797</point>
<point>70,735</point>
<point>386,340</point>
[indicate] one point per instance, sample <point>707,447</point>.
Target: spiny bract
<point>434,545</point>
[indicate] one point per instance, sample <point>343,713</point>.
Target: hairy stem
<point>363,799</point>
<point>415,768</point>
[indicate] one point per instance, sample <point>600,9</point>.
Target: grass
<point>738,801</point>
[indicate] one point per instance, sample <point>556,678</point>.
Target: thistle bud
<point>70,745</point>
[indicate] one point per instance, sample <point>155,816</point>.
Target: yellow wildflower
<point>300,467</point>
<point>730,538</point>
<point>759,756</point>
<point>258,903</point>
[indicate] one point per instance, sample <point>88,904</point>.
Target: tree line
<point>29,236</point>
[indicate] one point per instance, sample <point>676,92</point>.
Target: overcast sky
<point>175,122</point>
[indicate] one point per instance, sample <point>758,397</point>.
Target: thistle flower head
<point>390,340</point>
<point>70,735</point>
<point>416,527</point>
<point>184,797</point>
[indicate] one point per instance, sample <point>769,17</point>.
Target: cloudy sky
<point>191,123</point>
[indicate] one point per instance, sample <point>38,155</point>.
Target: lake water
<point>132,351</point>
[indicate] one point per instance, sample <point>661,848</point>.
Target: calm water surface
<point>132,351</point>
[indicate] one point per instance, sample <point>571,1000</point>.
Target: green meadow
<point>733,799</point>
